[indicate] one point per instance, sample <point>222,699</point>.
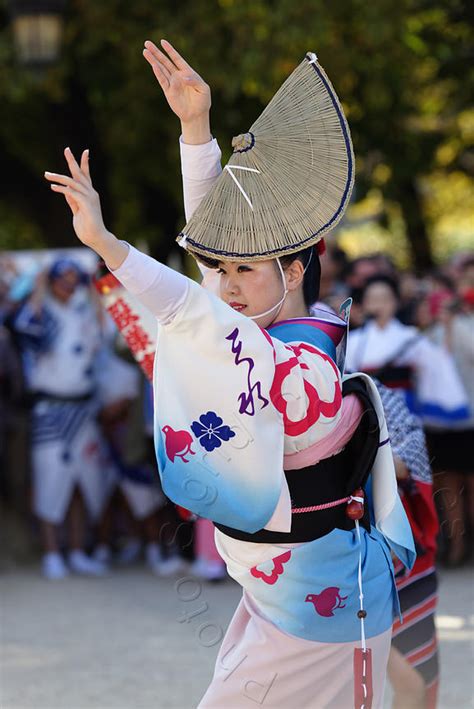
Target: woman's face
<point>380,302</point>
<point>251,288</point>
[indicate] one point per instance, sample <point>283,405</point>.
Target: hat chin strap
<point>278,305</point>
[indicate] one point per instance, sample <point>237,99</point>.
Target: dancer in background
<point>450,444</point>
<point>413,665</point>
<point>260,461</point>
<point>402,358</point>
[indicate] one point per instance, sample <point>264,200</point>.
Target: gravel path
<point>123,642</point>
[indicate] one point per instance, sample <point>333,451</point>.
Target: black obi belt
<point>331,479</point>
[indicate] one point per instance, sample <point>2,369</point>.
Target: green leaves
<point>400,67</point>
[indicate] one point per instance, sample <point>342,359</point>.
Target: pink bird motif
<point>178,444</point>
<point>327,601</point>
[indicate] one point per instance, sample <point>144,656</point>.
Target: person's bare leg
<point>408,685</point>
<point>451,491</point>
<point>49,536</point>
<point>76,522</point>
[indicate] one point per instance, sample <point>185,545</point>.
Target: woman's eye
<point>242,269</point>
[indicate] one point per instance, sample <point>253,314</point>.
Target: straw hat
<point>288,181</point>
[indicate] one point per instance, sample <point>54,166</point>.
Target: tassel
<point>363,688</point>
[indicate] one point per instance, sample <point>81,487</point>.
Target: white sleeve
<point>161,289</point>
<point>200,166</point>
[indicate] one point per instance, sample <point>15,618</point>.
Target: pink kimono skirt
<point>260,664</point>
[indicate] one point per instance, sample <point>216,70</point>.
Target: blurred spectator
<point>332,289</point>
<point>11,388</point>
<point>402,358</point>
<point>59,334</point>
<point>208,565</point>
<point>133,486</point>
<point>449,324</point>
<point>411,289</point>
<point>358,271</point>
<point>354,276</point>
<point>465,284</point>
<point>461,269</point>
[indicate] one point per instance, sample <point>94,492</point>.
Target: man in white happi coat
<point>59,333</point>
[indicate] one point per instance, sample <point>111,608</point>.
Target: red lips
<point>237,306</point>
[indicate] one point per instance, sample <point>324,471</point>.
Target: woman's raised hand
<point>81,198</point>
<point>188,96</point>
<point>86,212</point>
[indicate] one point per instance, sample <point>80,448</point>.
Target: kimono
<point>234,406</point>
<point>401,358</point>
<point>59,344</point>
<point>415,638</point>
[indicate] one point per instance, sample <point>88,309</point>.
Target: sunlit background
<point>73,74</point>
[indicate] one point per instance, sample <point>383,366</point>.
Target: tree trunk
<point>412,210</point>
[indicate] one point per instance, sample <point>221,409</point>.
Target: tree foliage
<point>401,68</point>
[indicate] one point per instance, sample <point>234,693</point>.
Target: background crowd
<point>68,384</point>
<point>78,482</point>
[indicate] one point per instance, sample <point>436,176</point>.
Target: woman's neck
<point>382,324</point>
<point>293,307</point>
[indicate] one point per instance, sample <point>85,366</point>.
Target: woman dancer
<point>252,390</point>
<point>402,358</point>
<point>413,664</point>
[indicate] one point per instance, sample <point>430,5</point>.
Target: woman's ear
<point>294,274</point>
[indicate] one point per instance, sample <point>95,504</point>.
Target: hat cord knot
<point>243,142</point>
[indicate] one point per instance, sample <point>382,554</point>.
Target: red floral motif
<point>316,407</point>
<point>277,570</point>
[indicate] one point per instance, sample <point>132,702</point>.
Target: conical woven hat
<point>288,181</point>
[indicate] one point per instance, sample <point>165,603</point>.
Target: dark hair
<point>308,257</point>
<point>312,278</point>
<point>386,280</point>
<point>207,261</point>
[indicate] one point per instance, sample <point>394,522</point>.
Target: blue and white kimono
<point>231,402</point>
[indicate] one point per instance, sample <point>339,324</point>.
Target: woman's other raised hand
<point>81,197</point>
<point>84,203</point>
<point>188,96</point>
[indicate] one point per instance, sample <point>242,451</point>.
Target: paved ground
<point>121,643</point>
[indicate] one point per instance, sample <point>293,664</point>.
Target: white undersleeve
<point>161,289</point>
